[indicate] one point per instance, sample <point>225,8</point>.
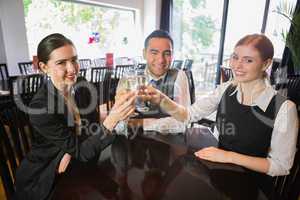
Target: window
<point>244,17</point>
<point>278,24</point>
<point>197,27</point>
<point>196,31</point>
<point>95,30</point>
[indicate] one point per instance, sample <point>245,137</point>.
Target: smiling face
<point>158,55</point>
<point>62,67</point>
<point>247,64</point>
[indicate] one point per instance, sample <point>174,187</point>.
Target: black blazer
<point>54,135</point>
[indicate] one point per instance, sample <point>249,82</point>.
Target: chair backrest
<point>82,72</point>
<point>188,63</point>
<point>190,78</point>
<point>274,67</point>
<point>226,74</point>
<point>24,87</point>
<point>141,66</point>
<point>85,63</point>
<point>98,74</point>
<point>3,71</point>
<point>101,79</point>
<point>4,77</point>
<point>15,143</point>
<point>290,88</point>
<point>287,187</point>
<point>177,64</point>
<point>26,68</point>
<point>121,69</point>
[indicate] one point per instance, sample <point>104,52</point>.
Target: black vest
<point>166,85</point>
<point>246,129</point>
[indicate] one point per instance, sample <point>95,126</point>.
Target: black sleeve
<point>53,128</point>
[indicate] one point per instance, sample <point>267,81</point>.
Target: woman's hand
<point>122,109</point>
<point>151,94</point>
<point>214,154</point>
<point>64,162</point>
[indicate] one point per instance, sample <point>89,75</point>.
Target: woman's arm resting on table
<point>219,155</point>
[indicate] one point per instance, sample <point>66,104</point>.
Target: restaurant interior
<point>109,38</point>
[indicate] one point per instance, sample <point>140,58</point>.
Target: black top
<point>54,135</point>
<point>246,129</point>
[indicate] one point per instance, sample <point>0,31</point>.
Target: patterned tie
<point>155,83</point>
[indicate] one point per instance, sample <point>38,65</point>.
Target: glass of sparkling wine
<point>141,81</point>
<point>130,84</point>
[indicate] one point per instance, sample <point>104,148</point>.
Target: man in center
<point>158,53</point>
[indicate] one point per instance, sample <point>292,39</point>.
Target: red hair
<point>261,43</point>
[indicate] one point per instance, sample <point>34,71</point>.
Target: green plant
<point>292,37</point>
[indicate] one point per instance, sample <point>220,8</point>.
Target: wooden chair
<point>188,64</point>
<point>98,74</point>
<point>287,187</point>
<point>121,69</point>
<point>290,88</point>
<point>226,74</point>
<point>3,71</point>
<point>177,64</point>
<point>101,79</point>
<point>85,63</point>
<point>274,67</point>
<point>22,88</point>
<point>26,68</point>
<point>82,72</point>
<point>141,66</point>
<point>15,143</point>
<point>3,76</point>
<point>190,78</point>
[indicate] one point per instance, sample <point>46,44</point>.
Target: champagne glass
<point>141,81</point>
<point>130,84</point>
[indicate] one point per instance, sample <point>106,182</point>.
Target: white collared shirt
<point>181,96</point>
<point>284,136</point>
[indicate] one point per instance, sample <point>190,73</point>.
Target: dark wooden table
<point>153,166</point>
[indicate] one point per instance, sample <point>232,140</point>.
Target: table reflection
<point>154,166</point>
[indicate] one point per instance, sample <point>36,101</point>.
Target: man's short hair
<point>158,34</point>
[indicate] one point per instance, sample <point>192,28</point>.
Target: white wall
<point>13,33</point>
<point>2,49</point>
<point>151,16</point>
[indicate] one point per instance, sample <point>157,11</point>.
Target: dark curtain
<point>166,15</point>
<point>287,56</point>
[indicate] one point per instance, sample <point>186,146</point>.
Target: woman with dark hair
<point>256,127</point>
<point>65,123</point>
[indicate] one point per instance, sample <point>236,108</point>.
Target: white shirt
<point>181,96</point>
<point>284,135</point>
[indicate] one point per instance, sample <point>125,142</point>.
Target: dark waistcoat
<point>246,129</point>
